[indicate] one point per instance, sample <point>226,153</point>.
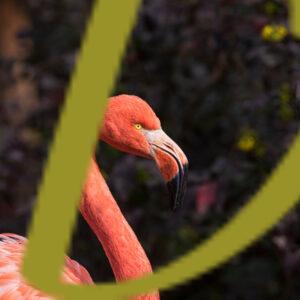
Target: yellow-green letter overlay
<point>55,214</point>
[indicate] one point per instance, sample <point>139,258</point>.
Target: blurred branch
<point>19,95</point>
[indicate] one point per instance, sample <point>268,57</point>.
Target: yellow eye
<point>138,126</point>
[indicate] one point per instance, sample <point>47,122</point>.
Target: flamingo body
<point>13,286</point>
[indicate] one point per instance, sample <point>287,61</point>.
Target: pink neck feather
<point>125,254</point>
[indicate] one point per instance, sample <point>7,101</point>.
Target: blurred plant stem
<point>19,95</point>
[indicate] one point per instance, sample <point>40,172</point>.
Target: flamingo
<point>130,125</point>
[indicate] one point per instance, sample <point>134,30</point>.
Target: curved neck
<point>125,254</point>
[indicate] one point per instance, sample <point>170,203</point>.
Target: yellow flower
<point>247,142</point>
<point>267,32</point>
<point>274,33</point>
<point>282,31</point>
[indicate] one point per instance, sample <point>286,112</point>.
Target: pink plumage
<point>13,286</point>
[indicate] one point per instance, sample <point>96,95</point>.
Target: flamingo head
<point>130,125</point>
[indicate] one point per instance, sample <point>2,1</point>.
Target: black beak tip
<point>177,188</point>
<point>172,189</point>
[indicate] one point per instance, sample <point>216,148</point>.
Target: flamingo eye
<point>138,126</point>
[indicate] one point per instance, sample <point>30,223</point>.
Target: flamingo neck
<point>122,248</point>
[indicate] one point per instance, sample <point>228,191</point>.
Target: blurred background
<point>223,77</point>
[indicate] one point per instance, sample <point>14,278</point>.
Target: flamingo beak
<point>171,162</point>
